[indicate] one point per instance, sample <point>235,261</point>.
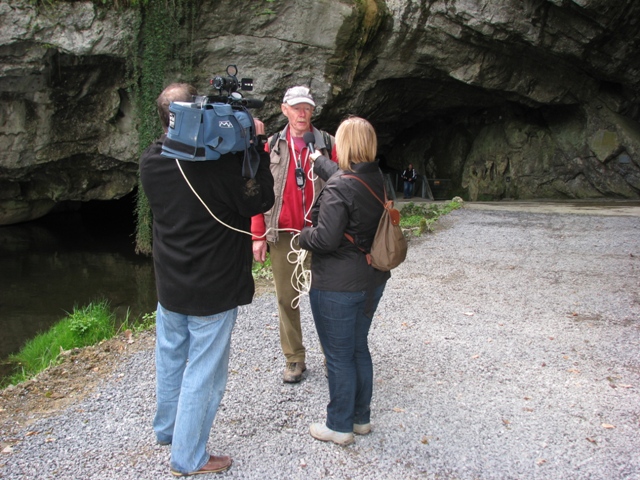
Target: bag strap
<point>384,204</point>
<point>386,200</point>
<point>274,141</point>
<point>325,136</point>
<point>352,240</point>
<point>327,143</point>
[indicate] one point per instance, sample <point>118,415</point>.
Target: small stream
<point>69,259</point>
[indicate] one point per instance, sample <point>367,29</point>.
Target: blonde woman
<point>345,289</point>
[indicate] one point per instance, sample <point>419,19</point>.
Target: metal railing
<point>428,188</point>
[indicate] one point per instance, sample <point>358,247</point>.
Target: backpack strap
<point>385,204</point>
<point>352,240</point>
<point>274,142</point>
<point>386,200</point>
<point>325,136</point>
<point>327,143</point>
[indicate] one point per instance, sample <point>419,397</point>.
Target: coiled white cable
<point>300,277</point>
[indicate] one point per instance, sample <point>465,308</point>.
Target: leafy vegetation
<point>155,47</point>
<point>421,217</point>
<point>262,270</point>
<point>146,322</point>
<point>266,10</point>
<point>84,326</point>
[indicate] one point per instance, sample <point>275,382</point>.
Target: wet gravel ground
<point>507,346</point>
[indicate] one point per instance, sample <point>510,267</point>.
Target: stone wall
<point>67,128</point>
<point>510,99</point>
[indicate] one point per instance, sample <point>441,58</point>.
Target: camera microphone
<point>310,139</point>
<point>251,103</point>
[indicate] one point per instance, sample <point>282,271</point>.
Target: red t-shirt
<point>292,214</point>
<point>297,201</point>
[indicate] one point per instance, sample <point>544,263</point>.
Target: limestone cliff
<point>510,98</point>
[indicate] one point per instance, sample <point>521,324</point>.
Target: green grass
<point>262,270</point>
<point>85,326</point>
<point>146,322</point>
<point>421,217</point>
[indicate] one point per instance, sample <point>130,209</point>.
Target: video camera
<point>228,90</point>
<point>211,126</point>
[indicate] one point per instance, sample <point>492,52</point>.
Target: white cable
<point>312,178</point>
<point>205,205</point>
<point>301,278</point>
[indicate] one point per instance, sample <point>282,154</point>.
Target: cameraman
<point>203,273</point>
<point>290,214</point>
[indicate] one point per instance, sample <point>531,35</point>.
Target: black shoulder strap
<point>274,141</point>
<point>326,137</point>
<point>327,142</point>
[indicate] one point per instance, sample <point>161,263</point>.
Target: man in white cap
<point>294,195</point>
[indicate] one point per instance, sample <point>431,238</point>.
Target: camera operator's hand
<point>259,126</point>
<point>260,136</point>
<point>260,250</point>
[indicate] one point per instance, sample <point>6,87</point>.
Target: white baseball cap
<point>298,94</point>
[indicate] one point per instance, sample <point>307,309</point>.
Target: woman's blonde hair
<point>356,142</point>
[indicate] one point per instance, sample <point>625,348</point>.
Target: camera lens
<point>219,83</point>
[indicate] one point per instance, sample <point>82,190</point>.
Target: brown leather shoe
<point>293,372</point>
<point>214,465</point>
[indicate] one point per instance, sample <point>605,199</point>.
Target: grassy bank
<point>84,326</point>
<point>419,218</point>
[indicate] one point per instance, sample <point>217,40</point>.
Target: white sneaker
<point>361,428</point>
<point>321,432</point>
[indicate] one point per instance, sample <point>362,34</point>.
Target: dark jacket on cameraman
<point>344,206</point>
<point>202,267</point>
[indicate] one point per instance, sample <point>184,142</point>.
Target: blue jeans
<point>408,189</point>
<point>192,358</point>
<point>343,328</point>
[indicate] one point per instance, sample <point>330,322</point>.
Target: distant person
<point>203,273</point>
<point>409,176</point>
<point>295,193</point>
<point>345,289</point>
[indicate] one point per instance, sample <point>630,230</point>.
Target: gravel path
<point>507,346</point>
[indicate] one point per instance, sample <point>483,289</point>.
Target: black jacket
<point>202,267</point>
<point>409,175</point>
<point>344,205</point>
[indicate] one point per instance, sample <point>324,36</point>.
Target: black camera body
<point>228,89</point>
<point>230,83</point>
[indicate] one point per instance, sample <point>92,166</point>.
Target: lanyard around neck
<point>297,157</point>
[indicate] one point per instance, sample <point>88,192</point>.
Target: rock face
<point>511,99</point>
<point>66,124</point>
